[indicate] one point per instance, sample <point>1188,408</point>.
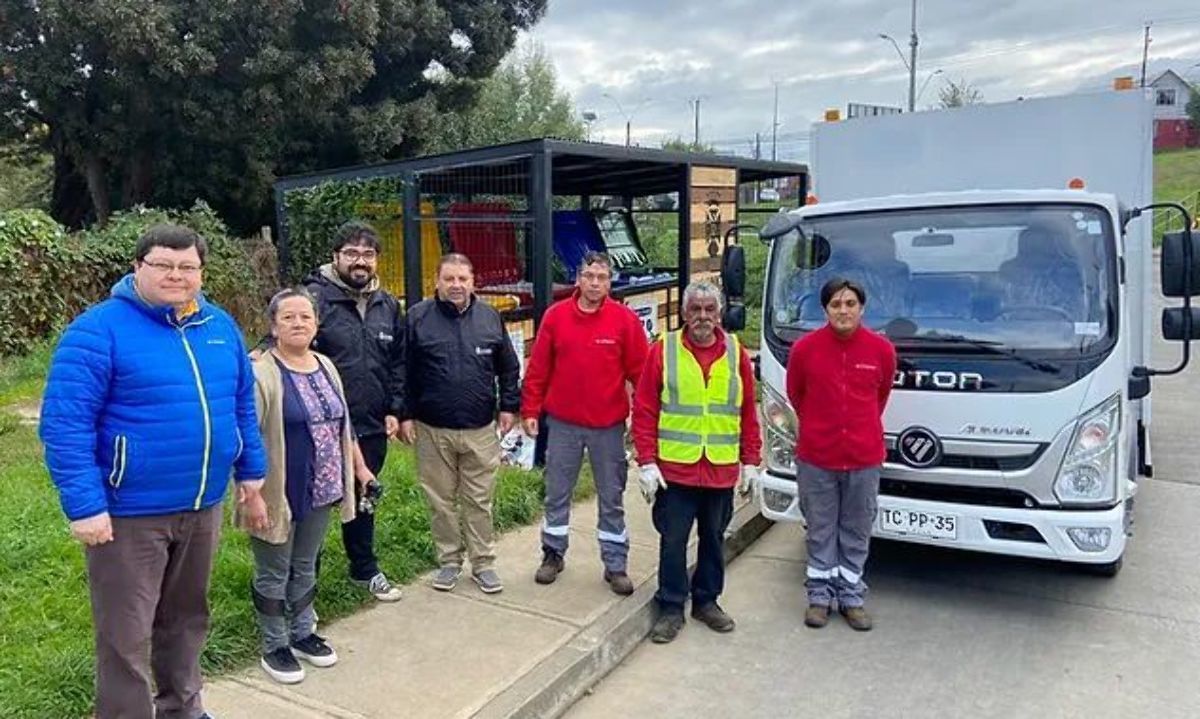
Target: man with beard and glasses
<point>696,432</point>
<point>362,331</point>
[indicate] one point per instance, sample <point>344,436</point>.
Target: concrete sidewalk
<point>528,651</point>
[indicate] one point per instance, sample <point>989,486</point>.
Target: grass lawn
<point>1176,175</point>
<point>23,378</point>
<point>45,622</point>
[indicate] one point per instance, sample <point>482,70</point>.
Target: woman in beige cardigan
<point>313,464</point>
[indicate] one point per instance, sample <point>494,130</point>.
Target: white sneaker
<point>382,589</point>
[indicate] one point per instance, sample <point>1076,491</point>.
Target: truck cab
<point>1019,418</point>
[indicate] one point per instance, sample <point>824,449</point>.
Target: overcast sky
<point>654,56</point>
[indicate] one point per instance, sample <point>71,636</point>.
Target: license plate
<point>916,522</point>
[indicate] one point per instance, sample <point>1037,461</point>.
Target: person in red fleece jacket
<point>588,352</point>
<point>838,381</point>
<point>692,481</point>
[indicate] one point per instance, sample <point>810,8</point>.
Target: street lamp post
<point>589,116</point>
<point>910,63</point>
<point>926,83</point>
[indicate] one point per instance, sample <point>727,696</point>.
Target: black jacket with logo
<point>367,349</point>
<point>455,361</point>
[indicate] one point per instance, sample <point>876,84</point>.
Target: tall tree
<point>24,174</point>
<point>164,101</point>
<point>959,93</point>
<point>520,101</point>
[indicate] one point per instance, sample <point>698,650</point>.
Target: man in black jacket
<point>458,351</point>
<point>362,331</point>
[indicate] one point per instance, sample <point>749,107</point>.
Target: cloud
<point>655,57</point>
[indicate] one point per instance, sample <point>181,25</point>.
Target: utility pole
<point>627,124</point>
<point>696,138</point>
<point>1145,53</point>
<point>912,63</point>
<point>775,124</point>
<point>757,146</point>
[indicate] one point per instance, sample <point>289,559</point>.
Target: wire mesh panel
<point>483,211</point>
<point>388,219</point>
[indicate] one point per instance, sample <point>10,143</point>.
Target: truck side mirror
<point>1174,271</point>
<point>1175,325</point>
<point>733,318</point>
<point>733,284</point>
<point>733,271</point>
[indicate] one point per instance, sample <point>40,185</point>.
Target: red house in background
<point>1172,130</point>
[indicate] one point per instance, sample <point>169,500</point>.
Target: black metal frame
<point>556,168</point>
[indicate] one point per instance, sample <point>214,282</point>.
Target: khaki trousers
<point>458,473</point>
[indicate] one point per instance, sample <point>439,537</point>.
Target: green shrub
<point>51,276</point>
<point>313,214</point>
<point>240,275</point>
<point>32,247</point>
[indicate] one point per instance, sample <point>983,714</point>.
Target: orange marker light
<point>810,200</point>
<point>1076,183</point>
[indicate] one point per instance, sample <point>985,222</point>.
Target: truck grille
<point>981,464</point>
<point>982,496</point>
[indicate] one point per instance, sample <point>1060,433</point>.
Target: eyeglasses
<point>186,268</point>
<point>355,255</point>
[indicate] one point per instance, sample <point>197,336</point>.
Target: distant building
<point>1172,129</point>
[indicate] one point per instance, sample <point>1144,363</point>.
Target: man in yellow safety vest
<point>696,433</point>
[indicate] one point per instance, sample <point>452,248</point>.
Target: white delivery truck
<point>1003,253</point>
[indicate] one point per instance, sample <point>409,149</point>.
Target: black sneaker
<point>315,651</point>
<point>281,665</point>
<point>666,627</point>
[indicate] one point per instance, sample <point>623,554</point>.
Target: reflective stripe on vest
<point>700,419</point>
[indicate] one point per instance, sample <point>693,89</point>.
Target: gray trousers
<point>839,508</point>
<point>150,608</point>
<point>285,581</point>
<point>610,470</point>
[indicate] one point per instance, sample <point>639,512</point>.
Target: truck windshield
<point>956,279</point>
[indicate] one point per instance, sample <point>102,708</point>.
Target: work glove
<point>748,480</point>
<point>650,480</point>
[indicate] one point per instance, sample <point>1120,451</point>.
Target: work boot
<point>666,627</point>
<point>857,618</point>
<point>552,564</point>
<point>619,582</point>
<point>816,616</point>
<point>715,617</point>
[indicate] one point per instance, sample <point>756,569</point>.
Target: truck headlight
<point>1089,470</point>
<point>781,425</point>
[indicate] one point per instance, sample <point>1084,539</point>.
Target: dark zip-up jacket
<point>460,365</point>
<point>367,349</point>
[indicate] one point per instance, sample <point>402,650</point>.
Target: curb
<point>562,678</point>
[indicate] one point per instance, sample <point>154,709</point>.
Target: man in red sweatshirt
<point>838,380</point>
<point>695,429</point>
<point>588,351</point>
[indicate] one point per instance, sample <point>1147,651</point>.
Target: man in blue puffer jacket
<point>148,410</point>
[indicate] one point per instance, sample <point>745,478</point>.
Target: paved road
<point>957,634</point>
